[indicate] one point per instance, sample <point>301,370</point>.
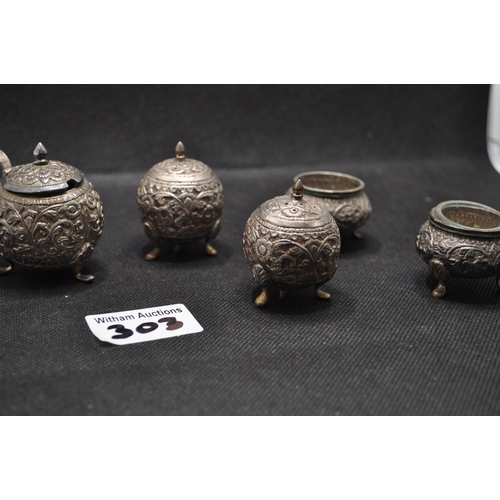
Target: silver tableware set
<point>51,217</point>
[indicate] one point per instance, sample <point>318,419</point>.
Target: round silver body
<point>464,237</point>
<point>461,238</point>
<point>50,232</point>
<point>343,195</point>
<point>291,244</point>
<point>180,202</point>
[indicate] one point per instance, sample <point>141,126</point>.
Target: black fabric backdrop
<point>382,345</point>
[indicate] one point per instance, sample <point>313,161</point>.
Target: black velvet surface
<point>381,346</point>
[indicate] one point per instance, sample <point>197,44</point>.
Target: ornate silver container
<point>180,202</point>
<point>291,243</point>
<point>461,238</point>
<point>342,194</point>
<point>51,217</point>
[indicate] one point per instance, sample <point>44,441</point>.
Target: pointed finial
<point>40,153</point>
<point>179,151</point>
<point>297,190</point>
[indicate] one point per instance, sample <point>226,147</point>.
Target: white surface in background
<point>493,127</point>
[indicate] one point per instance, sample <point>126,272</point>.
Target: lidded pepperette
<point>51,217</point>
<point>291,243</point>
<point>180,202</point>
<point>462,239</point>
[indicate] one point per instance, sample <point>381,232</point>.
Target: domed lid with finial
<point>42,177</point>
<point>181,168</point>
<point>294,211</point>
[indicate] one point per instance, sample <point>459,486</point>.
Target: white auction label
<point>141,325</point>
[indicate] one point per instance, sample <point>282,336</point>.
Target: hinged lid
<point>294,211</point>
<point>42,177</point>
<point>180,168</point>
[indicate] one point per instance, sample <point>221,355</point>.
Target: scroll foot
<point>5,270</point>
<point>439,291</point>
<point>321,294</point>
<point>210,249</point>
<point>282,294</point>
<point>153,254</point>
<point>356,235</point>
<point>82,277</point>
<point>262,299</point>
<point>438,270</point>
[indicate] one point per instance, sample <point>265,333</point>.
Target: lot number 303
<point>150,326</point>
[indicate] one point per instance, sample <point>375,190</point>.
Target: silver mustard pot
<point>51,217</point>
